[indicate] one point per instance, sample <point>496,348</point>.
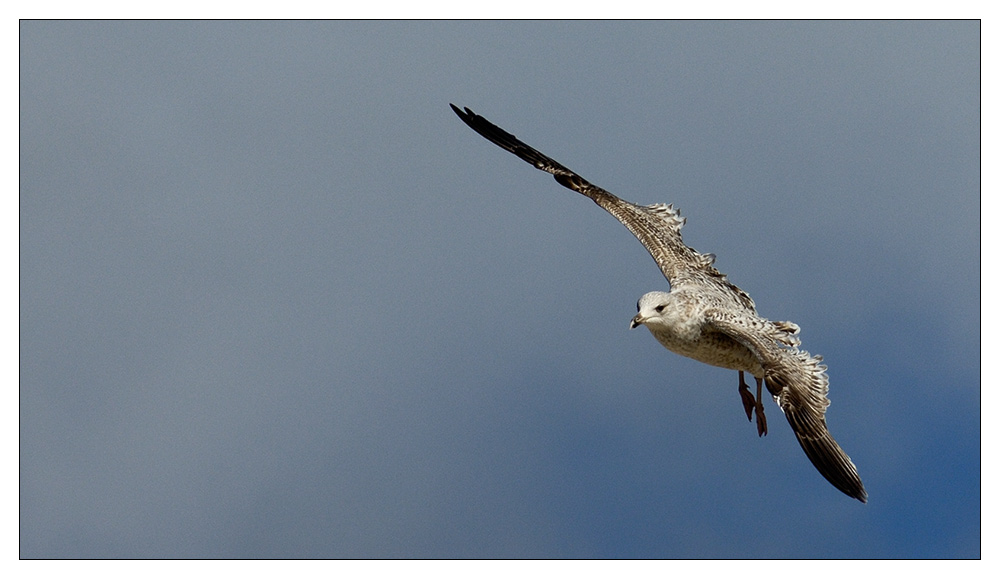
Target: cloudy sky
<point>276,300</point>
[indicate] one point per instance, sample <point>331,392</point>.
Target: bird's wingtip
<point>462,114</point>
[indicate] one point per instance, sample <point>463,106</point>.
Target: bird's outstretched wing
<point>799,384</point>
<point>658,227</point>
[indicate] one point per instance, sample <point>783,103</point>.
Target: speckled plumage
<point>706,317</point>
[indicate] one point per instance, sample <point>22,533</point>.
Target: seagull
<point>706,317</point>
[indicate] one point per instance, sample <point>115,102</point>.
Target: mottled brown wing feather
<point>658,227</point>
<point>799,383</point>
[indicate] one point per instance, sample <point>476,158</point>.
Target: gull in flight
<point>707,318</point>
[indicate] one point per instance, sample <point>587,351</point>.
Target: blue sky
<point>276,300</point>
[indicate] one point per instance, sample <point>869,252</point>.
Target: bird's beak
<point>636,321</point>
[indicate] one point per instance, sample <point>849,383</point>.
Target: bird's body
<point>707,318</point>
<point>686,332</point>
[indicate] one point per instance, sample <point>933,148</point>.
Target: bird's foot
<point>749,403</point>
<point>761,420</point>
<point>759,408</point>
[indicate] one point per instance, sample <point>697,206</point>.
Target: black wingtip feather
<point>512,144</point>
<point>461,115</point>
<point>833,463</point>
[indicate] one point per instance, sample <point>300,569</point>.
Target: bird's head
<point>655,308</point>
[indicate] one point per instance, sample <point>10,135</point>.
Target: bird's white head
<point>655,308</point>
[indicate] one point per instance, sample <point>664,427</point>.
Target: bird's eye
<point>637,308</point>
<point>659,308</point>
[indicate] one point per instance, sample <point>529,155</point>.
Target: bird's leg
<point>761,421</point>
<point>748,402</point>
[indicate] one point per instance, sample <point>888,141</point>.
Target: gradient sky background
<point>276,300</point>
